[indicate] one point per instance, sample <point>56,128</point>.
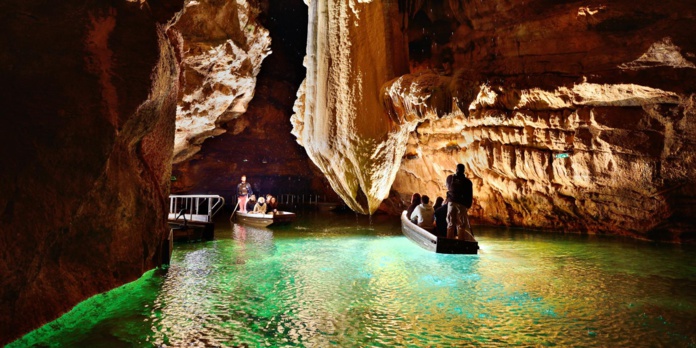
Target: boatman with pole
<point>460,194</point>
<point>243,193</point>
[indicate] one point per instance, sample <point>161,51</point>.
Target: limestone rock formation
<point>339,119</point>
<point>571,115</point>
<point>627,146</point>
<point>510,89</point>
<point>258,143</point>
<point>86,143</point>
<point>222,47</point>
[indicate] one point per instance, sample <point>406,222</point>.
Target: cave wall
<point>570,115</point>
<point>258,143</point>
<point>510,88</point>
<point>221,47</point>
<point>89,106</point>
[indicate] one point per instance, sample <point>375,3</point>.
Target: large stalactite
<point>339,119</point>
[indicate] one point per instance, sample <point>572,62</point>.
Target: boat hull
<point>431,242</point>
<point>264,220</point>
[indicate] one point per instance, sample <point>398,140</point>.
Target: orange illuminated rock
<point>591,157</point>
<point>571,116</point>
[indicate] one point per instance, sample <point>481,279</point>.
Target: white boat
<point>263,220</point>
<point>431,242</point>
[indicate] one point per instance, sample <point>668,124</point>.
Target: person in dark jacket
<point>460,194</point>
<point>438,202</point>
<point>415,201</point>
<point>271,203</point>
<point>251,202</point>
<point>243,193</point>
<point>441,220</point>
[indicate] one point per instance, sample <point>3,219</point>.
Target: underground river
<point>350,281</point>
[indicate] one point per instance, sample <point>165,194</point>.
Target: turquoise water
<point>346,281</point>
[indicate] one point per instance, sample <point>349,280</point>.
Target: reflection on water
<point>252,242</point>
<point>345,281</point>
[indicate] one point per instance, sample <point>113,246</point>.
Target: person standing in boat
<point>460,194</point>
<point>243,193</point>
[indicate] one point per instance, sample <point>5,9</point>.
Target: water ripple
<point>329,289</point>
<point>335,284</point>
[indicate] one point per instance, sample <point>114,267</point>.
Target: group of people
<point>446,218</point>
<point>247,202</point>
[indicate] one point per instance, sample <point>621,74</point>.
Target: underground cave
<point>575,121</point>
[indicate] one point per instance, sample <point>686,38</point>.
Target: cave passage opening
<point>258,142</point>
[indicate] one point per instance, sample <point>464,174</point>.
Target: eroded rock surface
<point>339,119</point>
<point>86,146</point>
<point>629,157</point>
<point>510,89</point>
<point>222,46</point>
<point>258,143</point>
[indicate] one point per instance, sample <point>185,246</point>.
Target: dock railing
<point>311,201</point>
<point>194,208</point>
<point>290,199</point>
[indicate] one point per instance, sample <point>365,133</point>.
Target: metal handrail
<point>202,206</point>
<point>301,199</point>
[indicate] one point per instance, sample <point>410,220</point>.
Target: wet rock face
<point>85,155</point>
<point>221,47</point>
<point>511,90</point>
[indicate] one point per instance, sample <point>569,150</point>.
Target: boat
<point>431,242</point>
<point>263,220</point>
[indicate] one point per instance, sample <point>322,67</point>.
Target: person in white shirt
<point>423,215</point>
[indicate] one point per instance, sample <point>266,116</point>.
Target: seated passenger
<point>415,201</point>
<point>260,207</point>
<point>441,220</point>
<point>271,203</point>
<point>438,203</point>
<point>423,214</point>
<point>251,203</point>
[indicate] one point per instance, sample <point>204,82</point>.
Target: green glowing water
<point>342,281</point>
